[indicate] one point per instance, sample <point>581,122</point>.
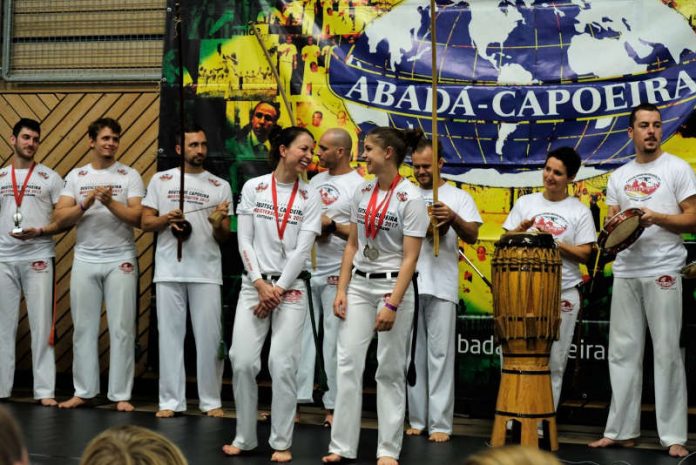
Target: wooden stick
<point>178,25</point>
<point>274,70</point>
<point>436,170</point>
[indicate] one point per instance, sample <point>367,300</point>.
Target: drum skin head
<point>621,231</point>
<point>526,239</point>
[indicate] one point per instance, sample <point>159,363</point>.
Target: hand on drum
<point>525,224</point>
<point>650,217</point>
<point>385,319</point>
<point>175,216</point>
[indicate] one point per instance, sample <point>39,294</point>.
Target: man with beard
<point>196,280</point>
<point>647,288</point>
<point>28,192</point>
<point>431,399</point>
<point>336,187</point>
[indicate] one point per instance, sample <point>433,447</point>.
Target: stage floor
<point>57,437</point>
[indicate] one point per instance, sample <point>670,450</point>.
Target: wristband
<point>82,206</point>
<point>41,231</point>
<point>391,307</point>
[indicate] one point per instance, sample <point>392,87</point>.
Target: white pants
<point>365,298</point>
<point>205,302</point>
<point>35,280</point>
<point>657,302</point>
<point>431,400</point>
<point>115,283</point>
<point>285,322</point>
<point>323,295</point>
<point>570,306</point>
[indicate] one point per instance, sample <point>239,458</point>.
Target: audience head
<point>131,445</point>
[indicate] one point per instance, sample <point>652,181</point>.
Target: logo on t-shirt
<point>566,306</point>
<point>82,173</point>
<point>402,196</point>
<point>39,265</point>
<point>3,174</point>
<point>551,223</point>
<point>214,182</point>
<point>261,187</point>
<point>329,194</point>
<point>642,186</point>
<point>366,188</point>
<point>122,171</point>
<point>166,177</point>
<point>666,281</point>
<point>43,174</point>
<point>127,267</point>
<point>303,194</point>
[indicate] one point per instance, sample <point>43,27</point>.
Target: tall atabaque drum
<point>526,304</point>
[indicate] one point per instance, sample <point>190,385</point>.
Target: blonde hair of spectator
<point>131,445</point>
<point>512,455</point>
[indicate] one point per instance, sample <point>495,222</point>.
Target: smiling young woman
<point>388,222</point>
<point>279,216</point>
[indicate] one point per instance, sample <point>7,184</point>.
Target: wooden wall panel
<point>64,120</point>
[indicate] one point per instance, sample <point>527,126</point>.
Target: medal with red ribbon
<point>280,226</point>
<point>371,213</point>
<point>19,196</point>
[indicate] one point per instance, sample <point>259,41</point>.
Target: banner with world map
<point>515,79</point>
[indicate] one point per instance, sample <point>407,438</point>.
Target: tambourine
<point>688,271</point>
<point>621,231</point>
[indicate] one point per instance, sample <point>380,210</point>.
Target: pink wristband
<point>82,206</point>
<point>391,307</point>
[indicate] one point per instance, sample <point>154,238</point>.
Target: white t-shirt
<point>439,276</point>
<point>335,193</point>
<point>201,260</point>
<point>101,237</point>
<point>568,220</point>
<point>406,216</point>
<point>257,200</point>
<point>660,186</point>
<point>41,194</point>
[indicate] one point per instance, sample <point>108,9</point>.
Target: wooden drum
<point>526,304</point>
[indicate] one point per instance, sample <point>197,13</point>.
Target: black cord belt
<point>387,275</point>
<point>265,277</point>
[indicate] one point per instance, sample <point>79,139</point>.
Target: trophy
<point>17,218</point>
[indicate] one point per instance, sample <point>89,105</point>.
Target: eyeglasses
<point>264,116</point>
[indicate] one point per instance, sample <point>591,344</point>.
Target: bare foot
<point>229,449</point>
<point>328,420</point>
<point>124,406</point>
<point>48,402</point>
<point>281,456</point>
<point>439,437</point>
<point>387,461</point>
<point>606,442</point>
<point>332,458</point>
<point>414,432</point>
<point>264,416</point>
<point>73,402</point>
<point>165,413</point>
<point>215,412</point>
<point>678,450</point>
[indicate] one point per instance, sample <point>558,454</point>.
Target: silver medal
<point>372,253</point>
<point>17,218</point>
